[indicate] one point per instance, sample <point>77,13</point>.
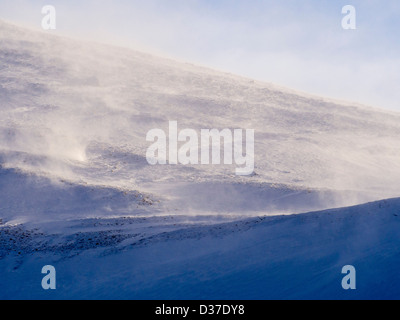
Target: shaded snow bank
<point>284,257</point>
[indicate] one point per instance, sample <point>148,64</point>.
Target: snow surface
<point>76,190</point>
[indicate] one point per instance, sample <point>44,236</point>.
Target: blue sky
<point>298,44</point>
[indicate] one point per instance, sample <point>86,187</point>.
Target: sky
<point>297,44</point>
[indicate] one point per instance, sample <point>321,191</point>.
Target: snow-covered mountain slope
<point>76,190</point>
<point>81,112</point>
<point>282,257</point>
<point>27,197</point>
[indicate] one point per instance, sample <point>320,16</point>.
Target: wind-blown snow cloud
<point>300,45</point>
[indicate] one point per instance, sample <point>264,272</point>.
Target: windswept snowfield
<point>77,192</point>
